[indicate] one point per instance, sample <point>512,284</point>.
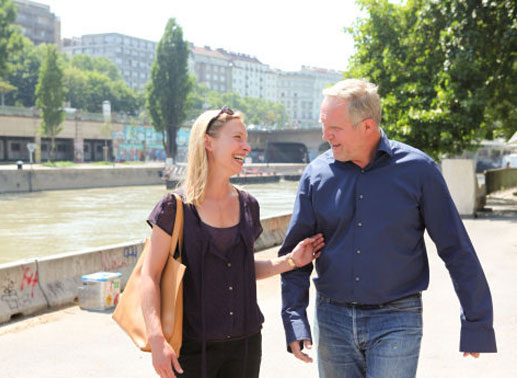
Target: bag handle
<point>177,233</point>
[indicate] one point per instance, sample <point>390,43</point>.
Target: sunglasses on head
<point>224,110</point>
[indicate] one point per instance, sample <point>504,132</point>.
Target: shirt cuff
<point>477,340</point>
<point>297,330</point>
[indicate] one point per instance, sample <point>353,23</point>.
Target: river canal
<point>49,222</point>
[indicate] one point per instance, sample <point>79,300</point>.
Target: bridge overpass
<point>84,136</point>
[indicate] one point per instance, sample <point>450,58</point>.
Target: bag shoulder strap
<point>177,232</point>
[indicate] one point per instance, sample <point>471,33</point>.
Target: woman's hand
<point>307,250</point>
<point>164,359</point>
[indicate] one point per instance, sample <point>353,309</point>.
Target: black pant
<point>224,359</point>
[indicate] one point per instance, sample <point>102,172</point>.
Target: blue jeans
<point>357,341</point>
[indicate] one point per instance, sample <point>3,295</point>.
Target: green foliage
<point>59,164</point>
<point>256,111</point>
<point>98,64</point>
<point>7,29</point>
<point>23,71</point>
<point>50,95</point>
<point>170,85</point>
<point>446,70</point>
<point>90,81</point>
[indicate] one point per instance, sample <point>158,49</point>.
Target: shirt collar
<point>384,144</point>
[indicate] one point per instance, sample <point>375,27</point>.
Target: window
<point>61,148</point>
<point>15,147</point>
<point>99,148</point>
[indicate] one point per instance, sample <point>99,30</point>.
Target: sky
<point>284,34</point>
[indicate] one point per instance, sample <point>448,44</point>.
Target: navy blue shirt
<point>219,286</point>
<point>373,222</point>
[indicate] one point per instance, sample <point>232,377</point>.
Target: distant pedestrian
<point>372,198</point>
<point>222,321</point>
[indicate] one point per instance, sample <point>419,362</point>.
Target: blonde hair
<point>362,99</point>
<point>194,183</point>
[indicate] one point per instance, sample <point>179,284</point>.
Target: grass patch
<point>133,162</point>
<point>59,164</point>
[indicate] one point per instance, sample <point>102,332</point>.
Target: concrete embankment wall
<point>499,179</point>
<point>33,285</point>
<point>28,180</point>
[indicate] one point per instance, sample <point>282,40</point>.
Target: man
<point>372,198</point>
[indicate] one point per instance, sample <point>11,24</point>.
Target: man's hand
<point>295,348</point>
<point>475,355</point>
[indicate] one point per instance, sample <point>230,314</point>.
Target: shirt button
<point>361,196</point>
<point>228,337</point>
<point>358,251</point>
<point>357,278</point>
<point>359,224</point>
<point>230,288</point>
<point>231,313</point>
<point>362,170</point>
<point>229,265</point>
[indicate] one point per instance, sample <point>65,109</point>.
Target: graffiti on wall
<point>19,296</point>
<point>139,143</point>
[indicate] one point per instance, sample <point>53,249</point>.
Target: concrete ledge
<point>499,179</point>
<point>274,232</point>
<point>70,178</point>
<point>30,286</point>
<point>20,292</point>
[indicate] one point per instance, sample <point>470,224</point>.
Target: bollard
<point>19,164</point>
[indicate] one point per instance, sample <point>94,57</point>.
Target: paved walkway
<point>72,343</point>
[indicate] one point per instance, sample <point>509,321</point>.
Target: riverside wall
<point>499,179</point>
<point>33,285</point>
<point>38,179</point>
<point>31,180</point>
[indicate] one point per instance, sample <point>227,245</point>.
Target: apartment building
<point>226,71</point>
<point>133,56</point>
<point>300,93</point>
<point>211,67</point>
<point>38,23</point>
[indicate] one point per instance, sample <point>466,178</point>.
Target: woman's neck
<point>218,187</point>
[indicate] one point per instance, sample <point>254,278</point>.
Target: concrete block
<point>60,275</point>
<point>121,258</point>
<point>20,292</point>
<point>460,176</point>
<point>274,232</point>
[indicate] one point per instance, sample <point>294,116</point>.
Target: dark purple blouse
<point>219,286</point>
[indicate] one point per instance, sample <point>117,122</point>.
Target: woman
<point>222,321</point>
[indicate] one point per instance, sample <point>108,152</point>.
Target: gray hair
<point>362,99</point>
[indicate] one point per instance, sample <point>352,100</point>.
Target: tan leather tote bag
<point>128,313</point>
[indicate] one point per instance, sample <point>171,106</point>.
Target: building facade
<point>300,93</point>
<point>38,23</point>
<point>211,67</point>
<point>225,71</point>
<point>133,56</point>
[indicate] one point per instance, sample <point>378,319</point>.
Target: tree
<point>443,68</point>
<point>23,71</point>
<point>90,81</point>
<point>256,111</point>
<point>99,64</point>
<point>50,95</point>
<point>170,85</point>
<point>7,17</point>
<point>4,89</point>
